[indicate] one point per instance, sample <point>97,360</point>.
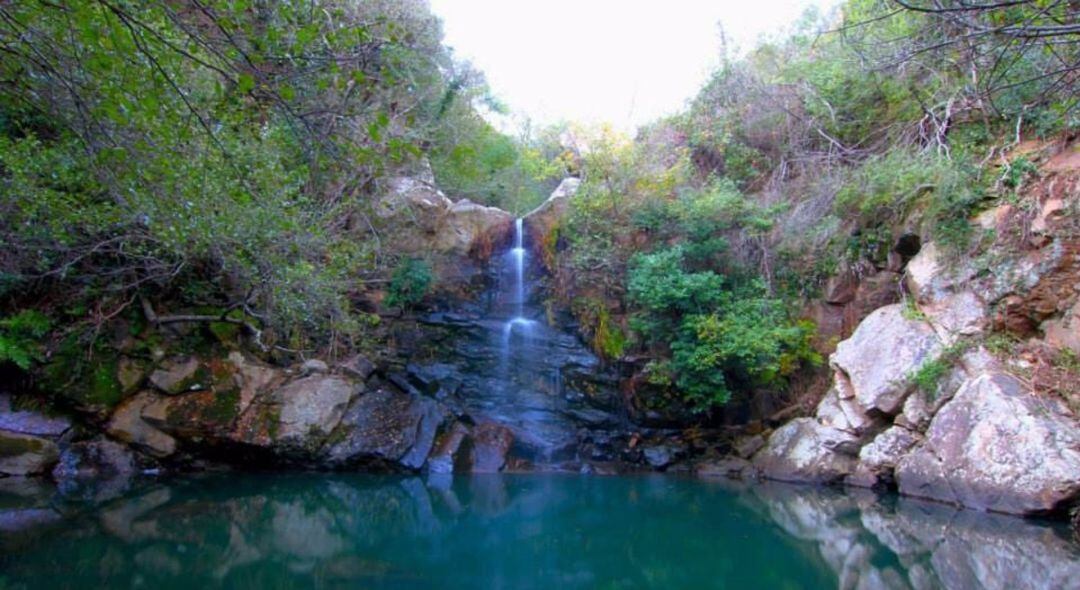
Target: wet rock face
<point>385,426</point>
<point>490,446</point>
<point>996,447</point>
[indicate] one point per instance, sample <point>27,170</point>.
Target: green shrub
<point>723,338</point>
<point>409,284</point>
<point>20,337</point>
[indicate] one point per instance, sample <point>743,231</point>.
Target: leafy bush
<point>723,339</point>
<point>411,281</point>
<point>20,337</point>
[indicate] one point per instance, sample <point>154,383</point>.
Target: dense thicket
<point>811,153</point>
<point>224,154</point>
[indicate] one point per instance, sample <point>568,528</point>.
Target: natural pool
<point>510,531</point>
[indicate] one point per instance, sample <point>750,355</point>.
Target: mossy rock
<point>13,446</point>
<point>89,382</point>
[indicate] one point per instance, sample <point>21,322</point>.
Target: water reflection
<point>512,532</point>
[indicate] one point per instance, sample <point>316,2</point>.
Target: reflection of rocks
<point>364,531</point>
<point>920,545</point>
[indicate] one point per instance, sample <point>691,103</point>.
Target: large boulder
<point>874,366</point>
<point>386,428</point>
<point>127,425</point>
<point>296,418</point>
<point>438,224</point>
<point>23,454</point>
<point>995,446</point>
<point>799,451</point>
<point>467,228</point>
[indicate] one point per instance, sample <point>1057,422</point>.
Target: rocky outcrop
<point>996,447</point>
<point>978,436</point>
<point>440,225</point>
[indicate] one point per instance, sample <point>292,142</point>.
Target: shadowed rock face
<point>522,531</point>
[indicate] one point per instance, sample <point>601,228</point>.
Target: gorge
<point>290,298</point>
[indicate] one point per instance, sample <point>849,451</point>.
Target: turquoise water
<point>510,531</point>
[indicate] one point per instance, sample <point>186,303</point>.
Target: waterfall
<point>518,323</point>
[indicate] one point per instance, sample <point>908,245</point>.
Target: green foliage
<point>20,337</point>
<point>722,339</point>
<point>411,281</point>
<point>227,154</point>
<point>927,378</point>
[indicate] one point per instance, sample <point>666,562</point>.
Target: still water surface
<point>510,531</point>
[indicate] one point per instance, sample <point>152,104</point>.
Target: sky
<point>623,62</point>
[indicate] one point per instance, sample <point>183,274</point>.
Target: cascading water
<point>508,366</point>
<point>518,323</point>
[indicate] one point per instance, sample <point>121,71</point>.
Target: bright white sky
<point>625,62</point>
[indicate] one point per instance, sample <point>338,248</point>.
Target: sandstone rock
<point>1050,212</point>
<point>799,452</point>
<point>417,195</point>
<point>467,225</point>
<point>309,410</point>
<point>996,447</point>
<point>96,459</point>
<point>203,416</point>
<point>1064,332</point>
<point>929,277</point>
<point>543,220</point>
<point>841,411</point>
<point>840,289</point>
<point>131,373</point>
<point>127,425</point>
<point>956,315</point>
<point>490,445</point>
<point>385,427</point>
<point>181,374</point>
<point>879,357</point>
<point>22,454</point>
